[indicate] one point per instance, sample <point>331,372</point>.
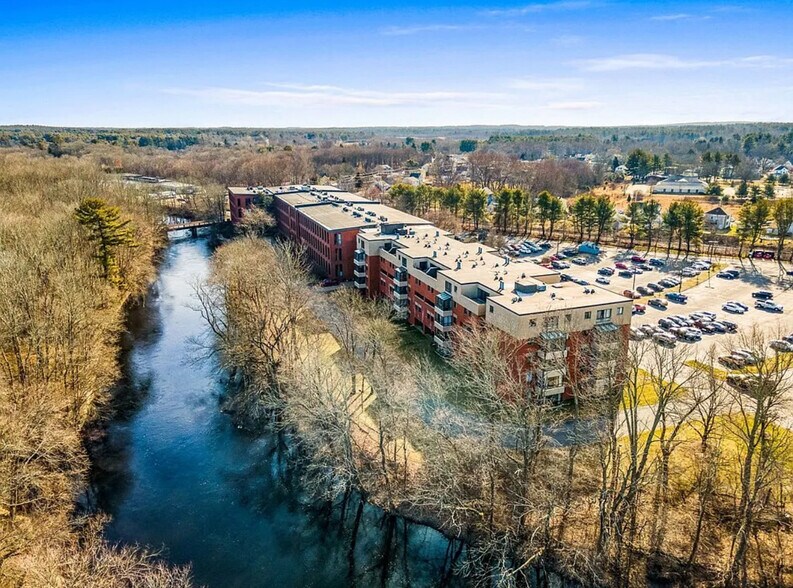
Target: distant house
<point>718,218</point>
<point>681,185</point>
<point>786,169</point>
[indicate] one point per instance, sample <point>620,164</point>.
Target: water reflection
<point>174,473</point>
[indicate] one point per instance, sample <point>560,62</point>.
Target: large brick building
<point>573,335</point>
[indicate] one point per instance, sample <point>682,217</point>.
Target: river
<point>176,475</point>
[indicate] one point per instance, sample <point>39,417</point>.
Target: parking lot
<point>705,292</point>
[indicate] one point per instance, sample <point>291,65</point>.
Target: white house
<point>786,169</point>
<point>681,185</point>
<point>718,218</point>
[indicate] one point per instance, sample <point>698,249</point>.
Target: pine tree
<point>107,230</point>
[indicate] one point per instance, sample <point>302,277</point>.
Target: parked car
<point>639,309</point>
<point>580,281</point>
<point>732,308</point>
<point>658,303</point>
<point>571,251</point>
<point>726,275</point>
<point>645,267</point>
<point>667,323</point>
<point>631,294</point>
<point>781,345</point>
<point>625,274</point>
<point>738,304</point>
<point>603,280</point>
<point>606,271</point>
<point>565,277</point>
<point>560,265</point>
<point>638,259</point>
<point>769,306</point>
<point>636,270</point>
<point>762,294</point>
<point>637,335</point>
<point>732,362</point>
<point>655,287</point>
<point>677,297</point>
<point>665,339</point>
<point>749,357</point>
<point>544,245</point>
<point>644,291</point>
<point>656,262</point>
<point>580,260</point>
<point>689,272</point>
<point>621,265</point>
<point>731,327</point>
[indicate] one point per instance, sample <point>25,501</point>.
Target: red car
<point>639,308</point>
<point>638,259</point>
<point>621,265</point>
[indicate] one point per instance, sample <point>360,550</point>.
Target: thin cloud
<point>539,8</point>
<point>574,105</point>
<point>291,95</point>
<point>546,84</point>
<point>656,61</point>
<point>398,31</point>
<point>678,16</point>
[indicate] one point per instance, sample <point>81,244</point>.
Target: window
<point>491,308</point>
<point>620,310</point>
<point>603,314</point>
<point>338,238</point>
<point>554,381</point>
<point>532,323</point>
<point>551,322</point>
<point>568,317</point>
<point>588,315</point>
<point>448,287</point>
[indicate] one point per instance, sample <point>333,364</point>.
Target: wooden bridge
<point>191,226</point>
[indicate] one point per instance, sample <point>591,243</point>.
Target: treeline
<point>593,217</point>
<point>74,247</point>
<point>658,472</point>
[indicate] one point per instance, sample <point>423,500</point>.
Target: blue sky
<point>351,63</point>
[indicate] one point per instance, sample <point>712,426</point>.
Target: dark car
<point>638,259</point>
<point>677,297</point>
<point>657,262</point>
<point>625,274</point>
<point>762,294</point>
<point>606,271</point>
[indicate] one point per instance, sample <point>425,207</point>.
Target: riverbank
<point>63,291</point>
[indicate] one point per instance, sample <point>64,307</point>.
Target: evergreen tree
<point>107,230</point>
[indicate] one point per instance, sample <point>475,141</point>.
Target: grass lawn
<point>698,365</point>
<point>646,393</point>
<point>413,343</point>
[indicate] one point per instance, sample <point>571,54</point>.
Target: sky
<point>282,63</point>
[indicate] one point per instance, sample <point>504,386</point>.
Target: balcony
<point>444,304</point>
<point>401,296</point>
<point>401,277</point>
<point>400,310</point>
<point>555,391</point>
<point>551,356</point>
<point>442,344</point>
<point>443,326</point>
<point>359,282</point>
<point>359,257</point>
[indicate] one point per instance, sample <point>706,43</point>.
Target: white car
<point>603,280</point>
<point>733,308</point>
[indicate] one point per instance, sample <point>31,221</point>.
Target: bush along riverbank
<point>596,492</point>
<point>74,248</point>
<point>332,372</point>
